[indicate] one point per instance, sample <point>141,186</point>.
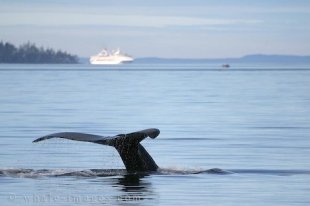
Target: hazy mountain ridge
<point>253,58</point>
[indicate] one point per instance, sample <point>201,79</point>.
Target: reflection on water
<point>135,188</point>
<point>132,183</point>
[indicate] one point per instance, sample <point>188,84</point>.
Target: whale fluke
<point>133,154</point>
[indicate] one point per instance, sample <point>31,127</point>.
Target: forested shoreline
<point>32,54</point>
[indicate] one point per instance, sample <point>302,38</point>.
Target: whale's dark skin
<point>133,154</point>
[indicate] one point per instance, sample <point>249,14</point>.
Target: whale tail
<point>133,154</point>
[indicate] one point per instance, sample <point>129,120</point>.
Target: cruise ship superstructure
<point>113,57</point>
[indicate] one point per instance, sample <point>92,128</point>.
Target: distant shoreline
<point>29,53</point>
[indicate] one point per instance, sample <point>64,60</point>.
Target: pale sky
<point>161,28</point>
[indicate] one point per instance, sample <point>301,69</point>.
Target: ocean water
<point>252,122</point>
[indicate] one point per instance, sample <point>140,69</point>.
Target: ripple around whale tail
<point>31,173</point>
<point>187,171</point>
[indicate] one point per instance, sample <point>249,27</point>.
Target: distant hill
<point>84,60</point>
<point>30,53</point>
<point>276,58</point>
<point>255,58</point>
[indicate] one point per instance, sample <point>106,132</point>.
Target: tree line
<point>30,53</point>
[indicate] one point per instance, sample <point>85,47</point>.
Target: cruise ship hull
<point>109,62</point>
<point>106,58</point>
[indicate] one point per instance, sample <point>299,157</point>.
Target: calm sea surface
<point>251,121</point>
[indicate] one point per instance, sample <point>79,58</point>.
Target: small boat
<point>225,65</point>
<point>113,57</point>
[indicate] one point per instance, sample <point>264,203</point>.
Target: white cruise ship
<point>114,57</point>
